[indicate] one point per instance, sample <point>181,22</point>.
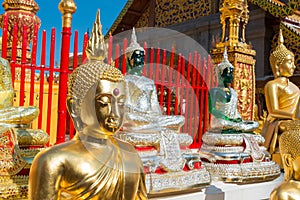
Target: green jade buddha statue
<point>239,153</point>
<point>223,103</point>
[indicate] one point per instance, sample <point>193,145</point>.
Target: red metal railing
<point>180,81</point>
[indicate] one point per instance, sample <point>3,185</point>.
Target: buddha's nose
<point>114,110</point>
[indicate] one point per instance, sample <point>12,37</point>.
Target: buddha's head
<point>282,60</point>
<point>137,58</point>
<point>225,70</point>
<point>96,90</point>
<point>135,55</point>
<point>289,145</point>
<point>96,97</point>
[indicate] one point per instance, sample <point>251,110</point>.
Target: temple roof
<point>134,9</point>
<point>128,16</point>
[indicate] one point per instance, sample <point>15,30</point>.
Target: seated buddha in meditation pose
<point>144,112</point>
<point>94,164</point>
<point>223,102</point>
<point>282,96</point>
<point>289,145</point>
<point>12,116</point>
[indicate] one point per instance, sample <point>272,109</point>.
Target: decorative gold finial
<point>96,49</point>
<point>134,45</point>
<point>67,8</point>
<point>280,38</point>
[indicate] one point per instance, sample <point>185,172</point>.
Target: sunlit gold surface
<point>67,8</point>
<point>282,96</point>
<point>95,164</point>
<point>289,145</point>
<point>15,132</point>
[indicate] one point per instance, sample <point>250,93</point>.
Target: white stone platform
<point>229,191</point>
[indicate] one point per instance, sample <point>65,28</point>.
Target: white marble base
<point>227,191</point>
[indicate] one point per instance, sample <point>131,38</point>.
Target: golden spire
<point>96,49</point>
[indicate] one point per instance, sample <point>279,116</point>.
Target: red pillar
<point>67,8</point>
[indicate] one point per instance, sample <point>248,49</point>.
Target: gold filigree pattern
<point>278,8</point>
<point>244,84</point>
<point>175,11</point>
<point>10,160</point>
<point>14,187</point>
<point>143,21</point>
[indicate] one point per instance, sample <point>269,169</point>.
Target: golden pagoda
<point>22,13</point>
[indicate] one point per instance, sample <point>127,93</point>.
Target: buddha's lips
<point>113,124</point>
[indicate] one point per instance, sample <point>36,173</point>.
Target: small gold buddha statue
<point>289,145</point>
<point>282,97</point>
<point>94,164</point>
<point>12,116</point>
<point>223,102</point>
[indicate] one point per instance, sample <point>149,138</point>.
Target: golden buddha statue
<point>289,145</point>
<point>223,102</point>
<point>18,142</point>
<point>282,97</point>
<point>94,164</point>
<point>12,116</point>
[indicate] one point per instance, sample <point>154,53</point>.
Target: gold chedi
<point>94,164</point>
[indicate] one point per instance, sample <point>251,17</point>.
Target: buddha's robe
<point>230,110</point>
<point>288,102</point>
<point>92,168</point>
<point>143,110</point>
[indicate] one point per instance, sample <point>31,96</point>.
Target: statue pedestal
<point>170,166</point>
<point>219,190</point>
<point>239,158</point>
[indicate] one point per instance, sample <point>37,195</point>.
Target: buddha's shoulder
<point>285,190</point>
<point>59,150</point>
<point>273,83</point>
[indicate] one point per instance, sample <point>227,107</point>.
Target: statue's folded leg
<point>18,115</point>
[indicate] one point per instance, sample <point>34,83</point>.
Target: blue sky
<point>83,18</point>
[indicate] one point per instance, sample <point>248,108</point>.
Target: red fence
<point>180,81</point>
